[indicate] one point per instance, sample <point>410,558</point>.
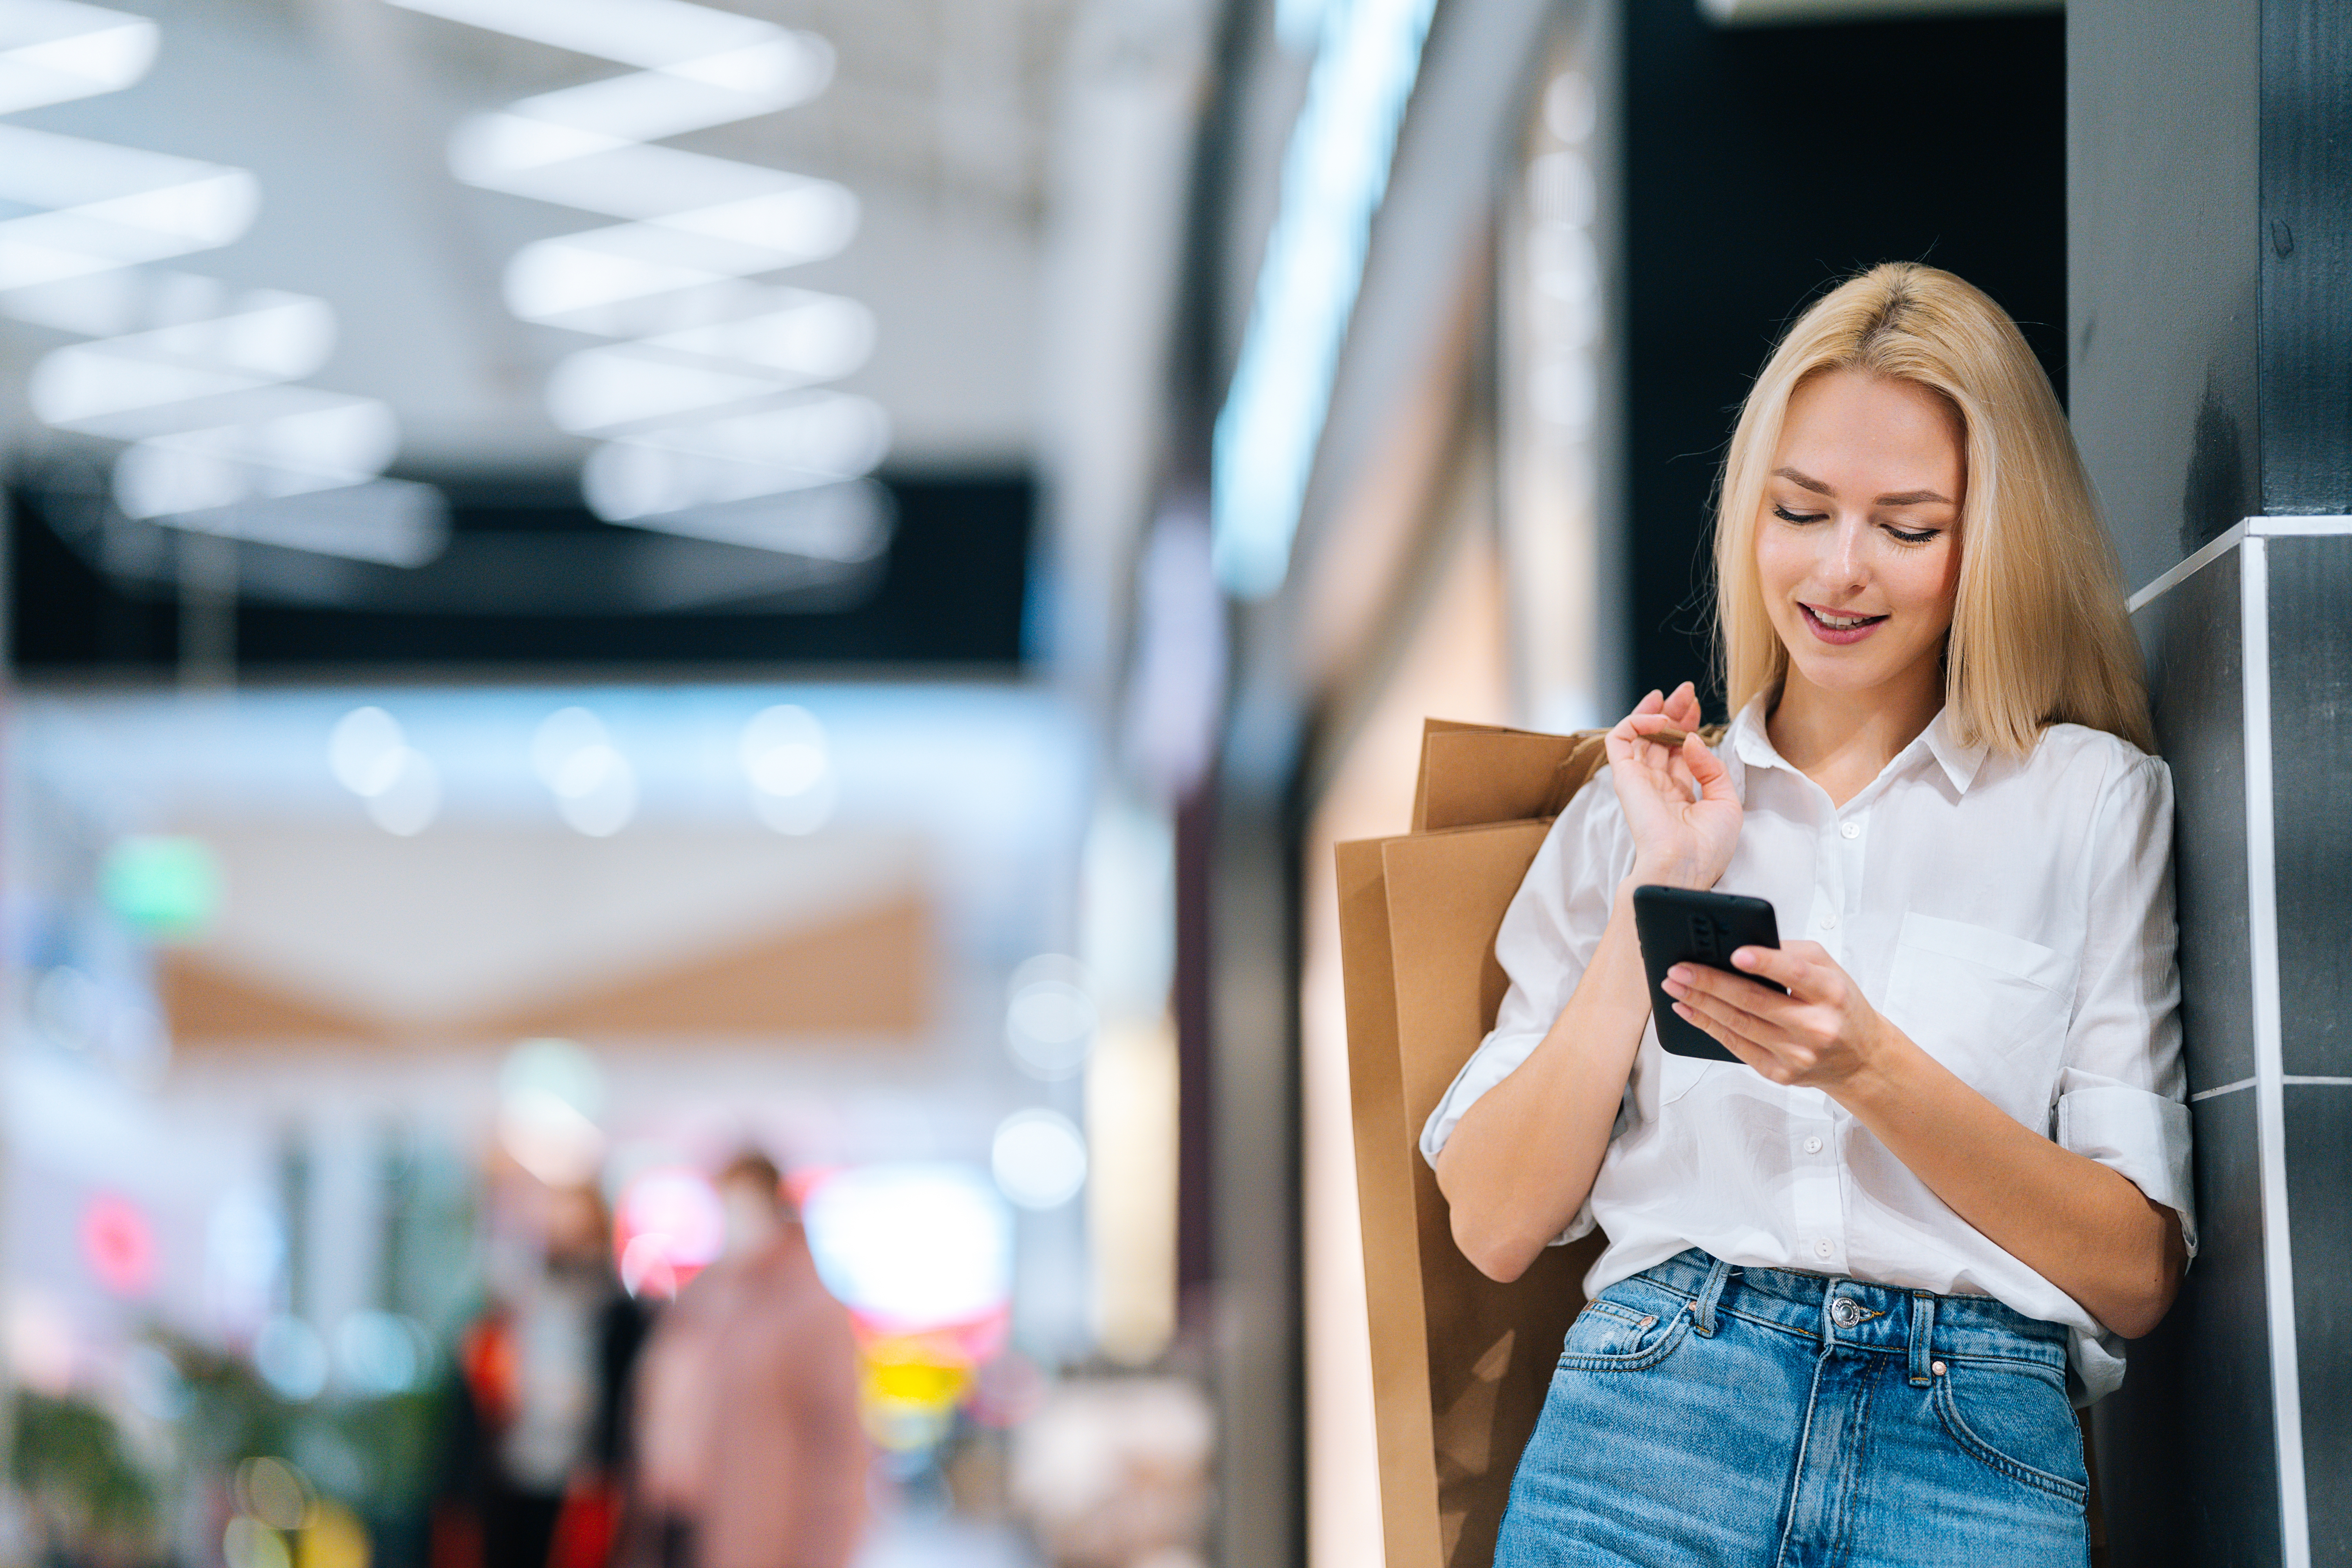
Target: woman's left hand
<point>1824,1033</point>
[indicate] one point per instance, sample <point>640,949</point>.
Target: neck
<point>1843,740</point>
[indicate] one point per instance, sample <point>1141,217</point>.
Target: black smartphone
<point>1680,925</point>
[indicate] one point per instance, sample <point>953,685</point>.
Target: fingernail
<point>1683,1012</point>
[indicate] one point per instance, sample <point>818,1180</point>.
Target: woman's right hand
<point>1677,800</point>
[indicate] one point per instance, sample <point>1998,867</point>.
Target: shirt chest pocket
<point>1991,1007</point>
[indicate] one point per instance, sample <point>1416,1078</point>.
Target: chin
<point>1851,677</point>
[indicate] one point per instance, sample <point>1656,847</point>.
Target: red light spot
<point>668,1224</point>
<point>119,1243</point>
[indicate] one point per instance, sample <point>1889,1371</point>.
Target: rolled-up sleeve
<point>2122,1096</point>
<point>1545,942</point>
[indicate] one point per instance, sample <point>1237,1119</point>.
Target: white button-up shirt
<point>2012,916</point>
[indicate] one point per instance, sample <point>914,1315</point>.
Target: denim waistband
<point>1918,1324</point>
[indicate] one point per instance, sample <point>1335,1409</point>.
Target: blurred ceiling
<point>348,935</point>
<point>938,117</point>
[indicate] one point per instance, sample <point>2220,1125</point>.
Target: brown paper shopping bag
<point>1459,1363</point>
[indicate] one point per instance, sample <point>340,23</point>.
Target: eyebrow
<point>1901,498</point>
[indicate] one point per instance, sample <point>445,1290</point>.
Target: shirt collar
<point>1960,761</point>
<point>1750,743</point>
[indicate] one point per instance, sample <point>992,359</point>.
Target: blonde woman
<point>1853,1278</point>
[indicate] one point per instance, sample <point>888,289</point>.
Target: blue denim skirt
<point>1709,1414</point>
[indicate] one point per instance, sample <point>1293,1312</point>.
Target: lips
<point>1831,627</point>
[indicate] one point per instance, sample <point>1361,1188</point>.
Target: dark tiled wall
<point>2186,1453</point>
<point>2318,1163</point>
<point>2311,763</point>
<point>2162,270</point>
<point>2197,676</point>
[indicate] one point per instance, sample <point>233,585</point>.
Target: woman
<point>1851,1279</point>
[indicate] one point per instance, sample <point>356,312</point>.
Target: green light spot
<point>168,888</point>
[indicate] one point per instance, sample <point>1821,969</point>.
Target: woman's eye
<point>1785,515</point>
<point>1910,536</point>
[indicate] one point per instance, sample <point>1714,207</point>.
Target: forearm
<point>1522,1159</point>
<point>2079,1224</point>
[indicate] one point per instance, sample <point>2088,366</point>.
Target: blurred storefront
<point>531,600</point>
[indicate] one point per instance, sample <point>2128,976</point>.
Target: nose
<point>1844,566</point>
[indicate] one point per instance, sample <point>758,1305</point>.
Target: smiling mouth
<point>1838,623</point>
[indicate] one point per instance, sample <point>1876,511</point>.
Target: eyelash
<point>1901,535</point>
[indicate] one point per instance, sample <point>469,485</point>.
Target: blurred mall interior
<point>599,587</point>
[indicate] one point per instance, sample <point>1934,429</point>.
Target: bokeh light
<point>379,1354</point>
<point>274,1492</point>
<point>1039,1159</point>
<point>291,1358</point>
<point>790,769</point>
<point>1050,1017</point>
<point>595,787</point>
<point>119,1243</point>
<point>370,755</point>
<point>550,1094</point>
<point>911,1247</point>
<point>168,887</point>
<point>668,1226</point>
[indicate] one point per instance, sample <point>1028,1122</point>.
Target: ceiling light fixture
<point>1335,171</point>
<point>595,788</point>
<point>198,382</point>
<point>707,399</point>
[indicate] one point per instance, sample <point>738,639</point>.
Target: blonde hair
<point>2038,633</point>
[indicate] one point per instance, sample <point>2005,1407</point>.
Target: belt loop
<point>1922,1334</point>
<point>1703,1311</point>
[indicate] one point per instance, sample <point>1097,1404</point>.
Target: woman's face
<point>1858,547</point>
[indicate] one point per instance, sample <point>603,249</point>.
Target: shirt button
<point>1851,829</point>
<point>1822,1248</point>
<point>1829,922</point>
<point>1812,1145</point>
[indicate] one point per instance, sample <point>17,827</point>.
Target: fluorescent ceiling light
<point>1334,173</point>
<point>108,304</point>
<point>276,337</point>
<point>554,280</point>
<point>846,522</point>
<point>651,33</point>
<point>391,523</point>
<point>646,106</point>
<point>109,207</point>
<point>54,51</point>
<point>815,338</point>
<point>199,387</point>
<point>693,402</point>
<point>812,337</point>
<point>337,441</point>
<point>820,440</point>
<point>608,388</point>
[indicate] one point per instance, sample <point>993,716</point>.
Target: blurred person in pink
<point>750,1452</point>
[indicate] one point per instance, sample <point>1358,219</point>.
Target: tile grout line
<point>2292,1080</point>
<point>2212,549</point>
<point>2281,526</point>
<point>2270,1098</point>
<point>2296,525</point>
